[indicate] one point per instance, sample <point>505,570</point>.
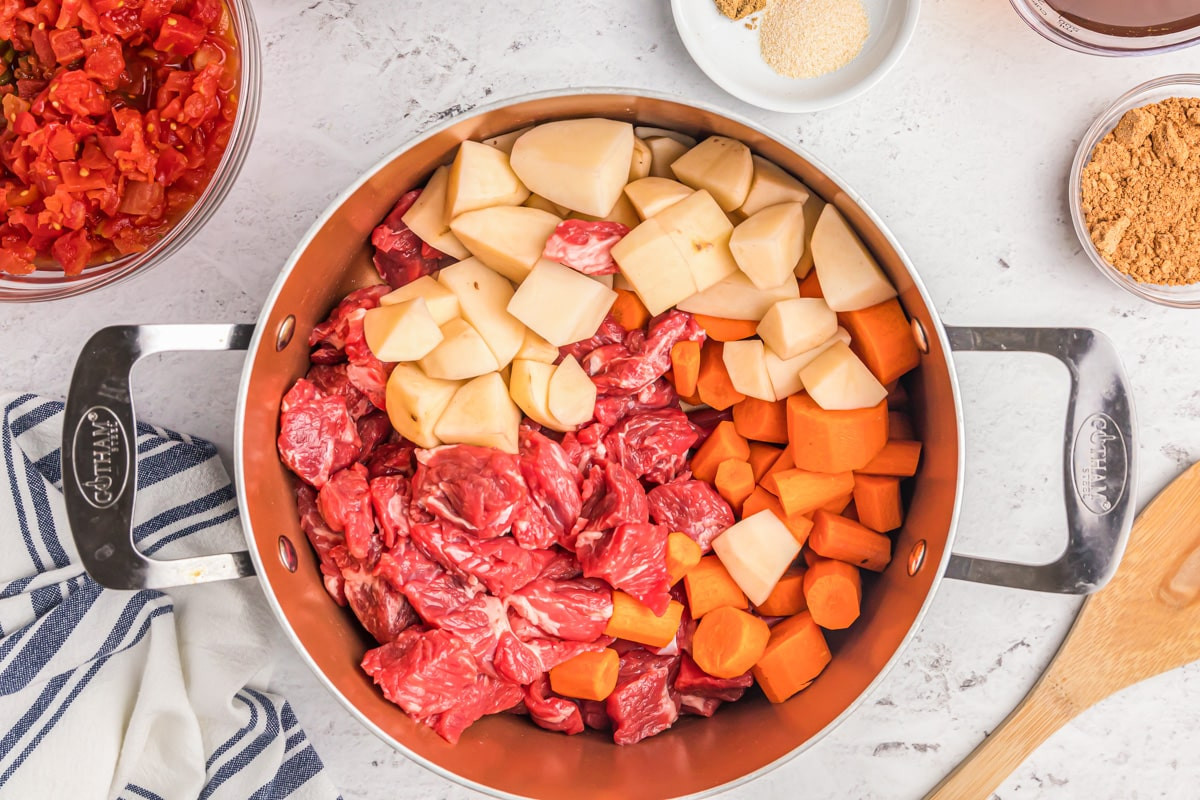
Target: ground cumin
<point>1141,193</point>
<point>736,9</point>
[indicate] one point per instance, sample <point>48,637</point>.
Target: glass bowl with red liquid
<point>49,281</point>
<point>1114,27</point>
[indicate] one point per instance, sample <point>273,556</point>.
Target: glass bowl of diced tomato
<point>125,124</point>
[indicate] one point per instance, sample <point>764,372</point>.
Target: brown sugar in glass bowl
<point>1135,191</point>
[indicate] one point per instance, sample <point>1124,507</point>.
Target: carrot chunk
<point>761,421</point>
<point>802,492</point>
<point>685,367</point>
<point>587,676</point>
<point>762,500</point>
<point>898,458</point>
<point>682,554</point>
<point>833,591</point>
<point>629,311</point>
<point>709,586</point>
<point>881,336</point>
<point>810,286</point>
<point>897,396</point>
<point>728,642</point>
<point>794,657</point>
<point>846,540</point>
<point>762,458</point>
<point>735,482</point>
<point>787,598</point>
<point>900,426</point>
<point>722,444</point>
<point>834,441</point>
<point>713,385</point>
<point>633,621</point>
<point>782,464</point>
<point>838,505</point>
<point>877,499</point>
<point>726,330</point>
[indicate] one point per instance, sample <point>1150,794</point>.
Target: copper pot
<point>503,754</point>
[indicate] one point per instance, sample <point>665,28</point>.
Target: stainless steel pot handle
<point>1099,460</point>
<point>99,452</point>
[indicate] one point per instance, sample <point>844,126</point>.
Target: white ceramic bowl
<point>728,53</point>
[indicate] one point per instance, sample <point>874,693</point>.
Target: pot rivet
<point>918,331</point>
<point>287,554</point>
<point>286,329</point>
<point>916,558</point>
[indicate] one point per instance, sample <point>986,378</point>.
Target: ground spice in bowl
<point>810,38</point>
<point>1141,193</point>
<point>737,9</point>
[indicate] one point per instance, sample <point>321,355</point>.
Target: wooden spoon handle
<point>1044,710</point>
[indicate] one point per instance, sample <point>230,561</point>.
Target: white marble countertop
<point>963,150</point>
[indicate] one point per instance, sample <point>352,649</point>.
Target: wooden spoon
<point>1146,621</point>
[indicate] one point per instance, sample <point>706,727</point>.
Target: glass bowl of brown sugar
<point>1135,191</point>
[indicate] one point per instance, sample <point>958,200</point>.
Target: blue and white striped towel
<point>134,695</point>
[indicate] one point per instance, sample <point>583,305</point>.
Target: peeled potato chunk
<point>504,141</point>
<point>541,203</point>
<point>529,387</point>
<point>813,207</point>
<point>658,272</point>
<point>427,216</point>
<point>461,354</point>
<point>416,401</point>
<point>622,212</point>
<point>837,380</point>
<point>647,132</point>
<point>651,195</point>
<point>508,239</point>
<point>572,394</point>
<point>665,150</point>
<point>737,298</point>
<point>481,413</point>
<point>795,326</point>
<point>441,302</point>
<point>768,245</point>
<point>756,552</point>
<point>560,304</point>
<point>535,348</point>
<point>770,186</point>
<point>481,177</point>
<point>582,164</point>
<point>700,232</point>
<point>401,332</point>
<point>722,166</point>
<point>639,167</point>
<point>483,296</point>
<point>850,278</point>
<point>785,372</point>
<point>745,361</point>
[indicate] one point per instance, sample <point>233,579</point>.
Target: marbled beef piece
<point>477,488</point>
<point>379,606</point>
<point>332,380</point>
<point>692,507</point>
<point>647,357</point>
<point>642,705</point>
<point>329,338</point>
<point>652,445</point>
<point>585,245</point>
<point>554,501</point>
<point>500,565</point>
<point>345,503</point>
<point>575,610</point>
<point>691,680</point>
<point>317,437</point>
<point>400,255</point>
<point>632,558</point>
<point>612,496</point>
<point>390,498</point>
<point>323,540</point>
<point>550,711</point>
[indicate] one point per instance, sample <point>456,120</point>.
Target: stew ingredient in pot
<point>116,116</point>
<point>623,459</point>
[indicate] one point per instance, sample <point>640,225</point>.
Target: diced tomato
<point>120,113</point>
<point>72,251</point>
<point>179,35</point>
<point>67,45</point>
